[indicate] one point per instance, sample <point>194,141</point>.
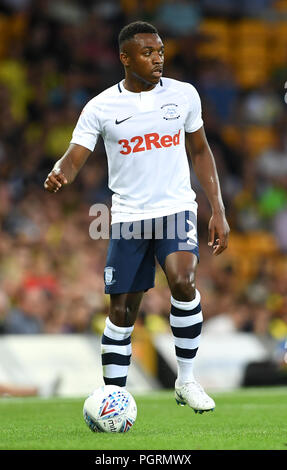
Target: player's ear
<point>124,58</point>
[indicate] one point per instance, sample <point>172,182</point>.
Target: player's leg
<point>186,324</point>
<point>186,315</point>
<point>116,348</point>
<point>178,256</point>
<point>177,253</point>
<point>129,271</point>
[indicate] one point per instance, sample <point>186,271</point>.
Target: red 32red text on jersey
<point>148,142</point>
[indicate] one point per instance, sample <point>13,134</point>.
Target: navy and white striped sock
<point>186,323</point>
<point>116,353</point>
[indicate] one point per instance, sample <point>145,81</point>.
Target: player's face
<point>144,58</point>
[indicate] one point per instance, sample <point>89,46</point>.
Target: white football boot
<point>193,395</point>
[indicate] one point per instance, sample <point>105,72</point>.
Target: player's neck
<point>137,85</point>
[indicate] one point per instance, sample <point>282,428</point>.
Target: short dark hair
<point>137,27</point>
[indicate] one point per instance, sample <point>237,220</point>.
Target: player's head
<point>142,51</point>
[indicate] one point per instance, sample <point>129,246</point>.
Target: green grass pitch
<point>247,419</point>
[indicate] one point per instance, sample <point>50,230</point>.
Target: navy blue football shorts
<point>134,248</point>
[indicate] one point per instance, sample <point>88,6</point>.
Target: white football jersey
<point>144,138</point>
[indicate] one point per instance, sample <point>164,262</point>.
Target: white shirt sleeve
<point>87,129</point>
<point>193,120</point>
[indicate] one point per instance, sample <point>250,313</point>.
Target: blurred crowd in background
<point>55,55</point>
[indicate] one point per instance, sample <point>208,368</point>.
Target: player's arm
<point>205,169</point>
<point>66,168</point>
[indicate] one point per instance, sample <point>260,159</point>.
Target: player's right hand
<point>55,180</point>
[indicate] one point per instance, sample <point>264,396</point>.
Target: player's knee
<point>183,287</point>
<point>117,314</point>
<point>121,315</point>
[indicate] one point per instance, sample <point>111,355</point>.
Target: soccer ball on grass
<point>110,409</point>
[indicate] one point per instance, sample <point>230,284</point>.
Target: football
<point>110,409</point>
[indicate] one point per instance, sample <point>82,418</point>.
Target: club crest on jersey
<point>109,275</point>
<point>170,111</point>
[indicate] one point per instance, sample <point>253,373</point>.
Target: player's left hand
<point>218,233</point>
